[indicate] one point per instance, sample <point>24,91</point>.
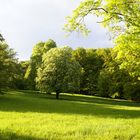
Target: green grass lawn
<point>28,116</point>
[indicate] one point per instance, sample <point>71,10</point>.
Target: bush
<point>132,91</point>
<point>103,84</point>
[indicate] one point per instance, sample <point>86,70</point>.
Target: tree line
<point>108,72</point>
<point>105,72</point>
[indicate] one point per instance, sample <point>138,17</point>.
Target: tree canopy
<point>59,72</point>
<point>36,60</point>
<point>7,65</point>
<point>122,16</point>
<point>123,19</point>
<point>1,38</point>
<point>108,72</point>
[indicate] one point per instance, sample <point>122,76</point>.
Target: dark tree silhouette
<point>1,38</point>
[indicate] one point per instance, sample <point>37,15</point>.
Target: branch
<point>100,8</point>
<point>105,20</point>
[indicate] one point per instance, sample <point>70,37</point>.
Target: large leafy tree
<point>91,61</point>
<point>59,72</point>
<point>36,60</point>
<point>128,54</point>
<point>123,19</point>
<point>123,15</point>
<point>119,75</point>
<point>7,65</point>
<point>128,58</point>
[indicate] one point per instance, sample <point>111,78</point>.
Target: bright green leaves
<point>128,54</point>
<point>59,72</point>
<point>121,15</point>
<point>36,60</point>
<point>76,21</point>
<point>7,65</point>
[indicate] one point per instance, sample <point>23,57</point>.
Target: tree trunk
<point>57,95</point>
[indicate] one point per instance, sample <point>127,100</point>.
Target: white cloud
<point>26,22</point>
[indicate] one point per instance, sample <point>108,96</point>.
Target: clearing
<point>28,115</point>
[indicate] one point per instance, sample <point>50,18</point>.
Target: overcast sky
<point>23,23</point>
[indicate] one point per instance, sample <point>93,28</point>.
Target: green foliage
<point>59,72</point>
<point>80,56</point>
<point>36,60</point>
<point>30,76</point>
<point>37,53</point>
<point>1,38</point>
<point>7,65</point>
<point>119,16</point>
<point>18,81</point>
<point>111,82</point>
<point>132,91</point>
<point>49,45</point>
<point>128,54</point>
<point>104,84</point>
<point>92,69</point>
<point>128,59</point>
<point>123,19</point>
<point>91,65</point>
<point>116,80</point>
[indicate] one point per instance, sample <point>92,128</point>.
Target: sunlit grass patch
<point>26,116</point>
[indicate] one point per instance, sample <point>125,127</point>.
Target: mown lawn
<point>33,116</point>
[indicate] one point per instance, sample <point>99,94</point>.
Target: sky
<point>23,23</point>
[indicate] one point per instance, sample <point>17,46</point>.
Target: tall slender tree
<point>36,60</point>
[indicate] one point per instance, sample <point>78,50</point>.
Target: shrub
<point>132,91</point>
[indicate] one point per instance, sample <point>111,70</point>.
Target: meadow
<point>28,115</point>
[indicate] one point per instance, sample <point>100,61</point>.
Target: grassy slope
<point>33,116</point>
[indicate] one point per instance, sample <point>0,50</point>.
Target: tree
<point>123,19</point>
<point>80,56</point>
<point>128,58</point>
<point>36,60</point>
<point>105,78</point>
<point>59,72</point>
<point>117,79</point>
<point>49,45</point>
<point>18,81</point>
<point>93,66</point>
<point>111,81</point>
<point>1,38</point>
<point>7,65</point>
<point>121,15</point>
<point>128,54</point>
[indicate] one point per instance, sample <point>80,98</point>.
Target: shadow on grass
<point>14,136</point>
<point>84,98</point>
<point>82,105</point>
<point>100,100</point>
